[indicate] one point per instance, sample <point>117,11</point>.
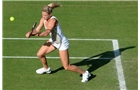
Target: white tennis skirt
<point>63,45</point>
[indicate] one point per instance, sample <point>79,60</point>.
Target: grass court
<point>98,32</point>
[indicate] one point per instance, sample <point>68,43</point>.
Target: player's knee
<point>39,55</point>
<point>67,67</point>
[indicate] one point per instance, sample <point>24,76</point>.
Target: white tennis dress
<point>57,37</point>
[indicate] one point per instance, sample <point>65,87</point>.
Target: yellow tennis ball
<point>12,18</point>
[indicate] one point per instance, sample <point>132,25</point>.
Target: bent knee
<point>67,67</point>
<point>39,55</point>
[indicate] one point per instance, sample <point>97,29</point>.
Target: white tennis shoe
<point>85,76</point>
<point>43,70</point>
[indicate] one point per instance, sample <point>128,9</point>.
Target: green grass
<point>105,20</point>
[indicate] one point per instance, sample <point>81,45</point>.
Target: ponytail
<point>54,5</point>
<point>49,8</point>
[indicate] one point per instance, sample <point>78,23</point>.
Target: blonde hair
<point>49,8</point>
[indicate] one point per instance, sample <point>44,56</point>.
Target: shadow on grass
<point>97,61</point>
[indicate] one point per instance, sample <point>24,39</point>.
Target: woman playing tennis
<point>57,41</point>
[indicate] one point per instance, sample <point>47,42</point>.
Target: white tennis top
<point>56,34</point>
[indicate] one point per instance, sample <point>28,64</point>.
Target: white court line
<point>52,57</point>
<point>119,67</point>
<point>75,39</point>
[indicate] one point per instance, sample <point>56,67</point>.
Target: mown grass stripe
<point>70,0</point>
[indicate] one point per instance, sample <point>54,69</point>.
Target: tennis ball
<point>12,18</point>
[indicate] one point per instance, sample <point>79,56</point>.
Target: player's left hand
<point>28,34</point>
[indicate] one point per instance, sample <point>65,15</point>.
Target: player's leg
<point>45,49</point>
<point>64,55</point>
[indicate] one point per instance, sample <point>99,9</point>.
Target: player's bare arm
<point>50,25</point>
<point>34,32</point>
<point>39,27</point>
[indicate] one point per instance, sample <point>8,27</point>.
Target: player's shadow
<point>99,60</point>
<point>96,61</point>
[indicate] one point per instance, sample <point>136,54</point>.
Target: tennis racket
<point>33,27</point>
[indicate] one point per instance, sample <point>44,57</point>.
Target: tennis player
<point>57,41</point>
